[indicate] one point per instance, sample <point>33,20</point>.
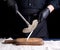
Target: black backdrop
<point>53,23</point>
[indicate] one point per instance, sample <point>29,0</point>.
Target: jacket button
<point>29,4</point>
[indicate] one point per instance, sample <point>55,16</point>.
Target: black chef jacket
<point>27,7</point>
<point>33,6</point>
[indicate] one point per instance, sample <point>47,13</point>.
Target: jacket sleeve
<point>55,3</point>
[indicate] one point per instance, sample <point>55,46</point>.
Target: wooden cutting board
<point>23,41</point>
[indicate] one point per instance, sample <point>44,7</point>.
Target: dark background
<point>53,23</point>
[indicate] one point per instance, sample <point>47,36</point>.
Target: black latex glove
<point>44,14</point>
<point>13,4</point>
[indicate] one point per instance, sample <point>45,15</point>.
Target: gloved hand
<point>44,14</point>
<point>13,4</point>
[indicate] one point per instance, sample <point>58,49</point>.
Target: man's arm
<point>54,4</point>
<point>50,7</point>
